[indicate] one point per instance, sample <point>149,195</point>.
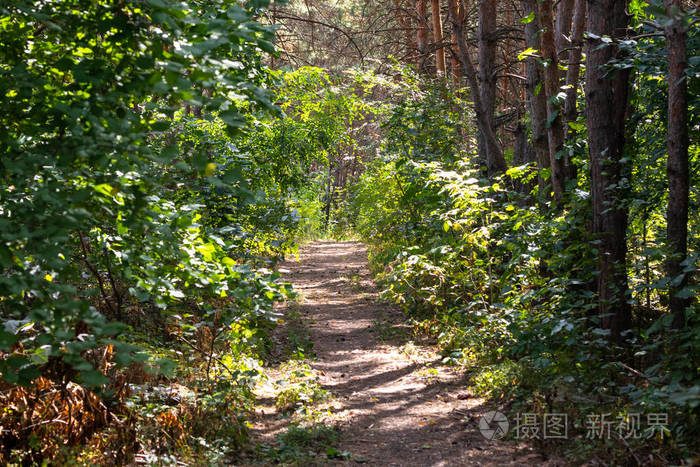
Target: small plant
<point>385,330</point>
<point>429,375</point>
<point>305,445</point>
<point>300,389</point>
<point>410,350</point>
<point>355,282</point>
<point>298,345</point>
<point>496,380</point>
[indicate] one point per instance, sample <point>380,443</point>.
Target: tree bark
<point>555,130</point>
<point>536,97</point>
<point>606,104</point>
<point>456,71</point>
<point>565,10</point>
<point>422,32</point>
<point>677,165</point>
<point>522,154</point>
<point>405,23</point>
<point>572,77</point>
<point>495,162</point>
<point>437,37</point>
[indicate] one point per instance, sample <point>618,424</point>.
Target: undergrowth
<point>503,280</point>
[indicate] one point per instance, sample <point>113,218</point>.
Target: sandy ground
<point>396,404</point>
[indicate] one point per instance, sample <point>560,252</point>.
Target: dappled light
<point>383,232</point>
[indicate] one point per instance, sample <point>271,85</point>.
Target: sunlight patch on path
<point>396,403</point>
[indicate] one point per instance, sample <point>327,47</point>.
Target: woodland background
<point>524,172</point>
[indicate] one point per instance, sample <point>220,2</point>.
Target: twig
<point>196,349</point>
<point>653,25</point>
<point>116,293</point>
<point>629,448</point>
<point>649,34</point>
<point>95,272</point>
<point>512,75</point>
<point>45,422</point>
<point>636,372</point>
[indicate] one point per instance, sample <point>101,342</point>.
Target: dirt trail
<point>397,405</point>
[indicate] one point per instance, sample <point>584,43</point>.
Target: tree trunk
<point>405,23</point>
<point>507,53</point>
<point>456,72</point>
<point>606,104</point>
<point>422,33</point>
<point>329,197</point>
<point>555,130</point>
<point>437,37</point>
<point>677,166</point>
<point>522,154</point>
<point>536,97</point>
<point>495,162</point>
<point>572,77</point>
<point>565,10</point>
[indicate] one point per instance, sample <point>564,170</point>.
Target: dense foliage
<point>130,217</point>
<point>505,279</point>
<point>155,169</point>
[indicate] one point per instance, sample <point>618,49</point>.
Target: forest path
<point>395,403</point>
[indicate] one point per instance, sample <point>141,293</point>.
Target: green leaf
<point>577,126</point>
<point>93,378</point>
<point>528,19</point>
<point>233,118</point>
<point>686,292</point>
<point>538,89</point>
<point>170,152</point>
<point>551,117</point>
<point>7,340</point>
<point>527,53</point>
<point>5,256</point>
<point>161,125</point>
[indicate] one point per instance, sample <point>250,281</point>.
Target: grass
<point>355,282</point>
<point>299,388</point>
<point>304,445</point>
<point>298,344</point>
<point>386,331</point>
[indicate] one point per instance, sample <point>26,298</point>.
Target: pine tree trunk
<point>456,70</point>
<point>555,130</point>
<point>437,37</point>
<point>422,32</point>
<point>565,9</point>
<point>677,166</point>
<point>572,76</point>
<point>606,104</point>
<point>488,143</point>
<point>495,162</point>
<point>536,96</point>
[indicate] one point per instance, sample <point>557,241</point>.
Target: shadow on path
<point>398,406</point>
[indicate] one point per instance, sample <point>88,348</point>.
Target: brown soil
<point>396,404</point>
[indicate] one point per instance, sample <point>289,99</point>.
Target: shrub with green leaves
<point>92,220</point>
<point>504,279</point>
